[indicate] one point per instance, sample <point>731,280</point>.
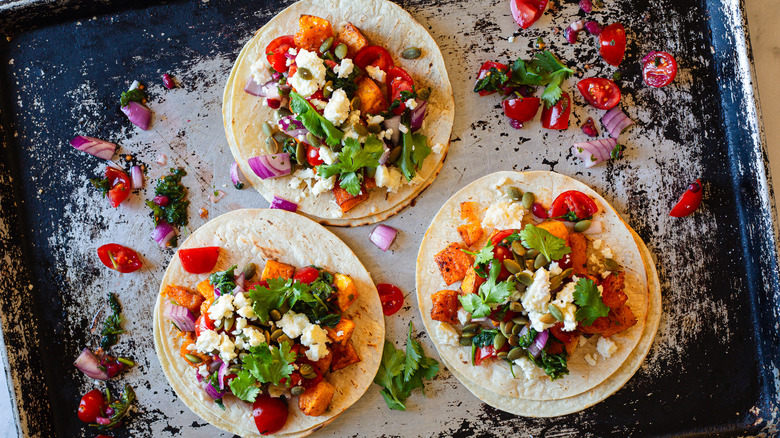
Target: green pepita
<point>395,153</point>
<point>309,376</point>
<point>282,339</point>
<point>424,94</point>
<point>341,51</point>
<point>502,354</point>
<point>498,341</point>
<point>325,46</point>
<point>411,53</point>
<point>531,254</point>
<point>518,248</point>
<point>525,278</point>
<point>514,193</point>
<point>275,315</point>
<point>555,311</point>
<point>304,73</point>
<point>512,266</point>
<point>354,104</point>
<point>249,271</point>
<point>540,261</point>
<point>313,140</point>
<point>547,318</point>
<point>218,323</point>
<point>468,334</point>
<point>271,146</point>
<point>528,200</point>
<point>306,369</point>
<point>297,390</point>
<point>514,354</point>
<point>192,358</point>
<point>566,273</point>
<point>507,329</point>
<point>327,90</point>
<point>465,341</point>
<point>283,112</point>
<point>529,264</point>
<point>611,265</point>
<point>276,334</point>
<point>516,329</point>
<point>521,320</point>
<point>516,306</point>
<point>555,282</point>
<point>520,287</point>
<point>473,327</point>
<point>360,128</point>
<point>374,128</point>
<point>502,326</point>
<point>300,154</point>
<point>267,129</point>
<point>285,308</point>
<point>582,226</point>
<point>514,340</point>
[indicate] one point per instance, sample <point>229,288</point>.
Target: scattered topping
<point>527,12</point>
<point>606,347</point>
<point>94,146</point>
<point>89,365</point>
<point>659,69</point>
<point>616,121</point>
<point>573,206</point>
<point>599,92</point>
<point>269,413</point>
<point>116,185</point>
<point>235,176</point>
<point>112,326</point>
<point>117,409</point>
<point>552,247</point>
<point>131,105</point>
<point>283,204</point>
<point>612,44</point>
<point>162,159</point>
<point>271,166</point>
<point>489,293</point>
<point>391,297</point>
<point>137,176</point>
<point>383,236</point>
<point>589,128</point>
<point>595,151</point>
<point>181,317</point>
<point>119,258</point>
<point>593,28</point>
<point>91,406</point>
<point>174,212</point>
<point>587,297</point>
<point>353,157</point>
<point>216,196</point>
<point>557,116</point>
<point>168,81</point>
<point>689,201</point>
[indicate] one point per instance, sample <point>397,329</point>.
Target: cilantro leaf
<point>544,69</point>
<point>483,256</point>
<point>413,152</point>
<point>484,338</point>
<point>489,292</point>
<point>352,158</point>
<point>265,299</point>
<point>414,353</point>
<point>224,281</point>
<point>313,121</point>
<point>591,306</point>
<point>493,80</point>
<point>244,386</point>
<point>474,304</point>
<point>270,364</point>
<point>554,248</point>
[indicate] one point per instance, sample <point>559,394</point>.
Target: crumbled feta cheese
<point>607,252</point>
<point>447,334</point>
<point>324,185</point>
<point>316,339</point>
<point>241,323</point>
<point>606,348</point>
<point>241,343</point>
<point>376,73</point>
<point>504,215</point>
<point>259,71</point>
<point>590,359</point>
<point>375,120</point>
<point>227,349</point>
<point>437,148</point>
<point>530,371</point>
<point>293,324</point>
<point>345,68</point>
<point>292,51</point>
<point>463,316</point>
<point>411,103</point>
<point>601,290</point>
<point>336,213</point>
<point>555,269</point>
<point>536,298</point>
<point>319,104</point>
<point>191,347</point>
<point>254,336</point>
<point>416,180</point>
<point>247,312</point>
<point>606,274</point>
<point>403,128</point>
<point>337,109</point>
<point>350,133</point>
<point>305,173</point>
<point>597,244</point>
<point>221,308</point>
<point>240,300</point>
<point>203,370</point>
<point>340,333</point>
<point>565,302</point>
<point>313,63</point>
<point>327,155</point>
<point>388,177</point>
<point>583,340</point>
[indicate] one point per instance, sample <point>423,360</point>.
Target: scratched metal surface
<point>713,367</point>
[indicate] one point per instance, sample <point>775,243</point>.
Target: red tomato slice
<point>396,87</point>
<point>526,12</point>
<point>689,201</point>
<point>573,201</point>
<point>275,52</point>
<point>313,156</point>
<point>522,109</point>
<point>374,55</point>
<point>269,413</point>
<point>484,353</point>
<point>599,92</point>
<point>307,275</point>
<point>391,297</point>
<point>92,405</point>
<point>565,337</point>
<point>203,323</point>
<point>502,253</point>
<point>397,72</point>
<point>485,70</point>
<point>612,44</point>
<point>659,69</point>
<point>119,258</point>
<point>501,235</point>
<point>557,116</point>
<point>120,185</point>
<point>199,260</point>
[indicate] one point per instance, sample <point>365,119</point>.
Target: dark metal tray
<point>713,368</point>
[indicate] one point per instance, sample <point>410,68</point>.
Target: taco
<point>281,315</point>
<point>531,286</point>
<point>341,106</point>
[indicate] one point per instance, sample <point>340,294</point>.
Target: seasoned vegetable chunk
<point>183,297</point>
<point>372,100</point>
<point>579,254</point>
<point>471,282</point>
<point>346,201</point>
<point>471,233</point>
<point>342,331</point>
<point>453,263</point>
<point>445,306</point>
<point>353,38</point>
<point>346,291</point>
<point>344,355</point>
<point>275,269</point>
<point>313,31</point>
<point>315,400</point>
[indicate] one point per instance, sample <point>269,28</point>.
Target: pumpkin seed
<point>555,311</point>
<point>360,129</point>
<point>327,91</point>
<point>267,129</point>
<point>566,273</point>
<point>267,335</point>
<point>281,138</point>
<point>374,128</point>
<point>283,339</point>
<point>411,53</point>
<point>283,112</point>
<point>275,315</point>
<point>395,153</point>
<point>465,341</point>
<point>540,261</point>
<point>300,154</point>
<point>218,323</point>
<point>611,265</point>
<point>555,282</point>
<point>507,329</point>
<point>341,51</point>
<point>309,376</point>
<point>285,308</point>
<point>242,356</point>
<point>522,320</point>
<point>271,146</point>
<point>525,278</point>
<point>514,354</point>
<point>512,266</point>
<point>514,340</point>
<point>518,248</point>
<point>502,354</point>
<point>515,306</point>
<point>229,324</point>
<point>514,193</point>
<point>325,46</point>
<point>498,341</point>
<point>304,73</point>
<point>582,226</point>
<point>313,140</point>
<point>234,369</point>
<point>306,369</point>
<point>502,326</point>
<point>520,287</point>
<point>192,358</point>
<point>516,329</point>
<point>528,200</point>
<point>547,318</point>
<point>249,271</point>
<point>275,335</point>
<point>529,264</point>
<point>272,71</point>
<point>473,327</point>
<point>531,254</point>
<point>354,104</point>
<point>468,334</point>
<point>297,390</point>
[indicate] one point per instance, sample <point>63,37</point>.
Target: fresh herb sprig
<point>553,248</point>
<point>224,281</point>
<point>263,364</point>
<point>414,149</point>
<point>587,297</point>
<point>352,159</point>
<point>112,326</point>
<point>545,69</point>
<point>121,406</point>
<point>554,365</point>
<point>490,292</point>
<point>299,297</point>
<point>313,121</point>
<point>134,95</point>
<point>175,212</point>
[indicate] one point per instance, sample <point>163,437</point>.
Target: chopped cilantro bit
<point>554,248</point>
<point>545,69</point>
<point>490,292</point>
<point>493,80</point>
<point>587,297</point>
<point>112,326</point>
<point>134,95</point>
<point>352,158</point>
<point>554,365</point>
<point>175,212</point>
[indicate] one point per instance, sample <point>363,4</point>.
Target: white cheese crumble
<point>254,336</point>
<point>327,155</point>
<point>345,68</point>
<point>530,371</point>
<point>555,269</point>
<point>590,359</point>
<point>597,244</point>
<point>463,316</point>
<point>411,103</point>
<point>504,215</point>
<point>607,252</point>
<point>313,63</point>
<point>337,109</point>
<point>375,120</point>
<point>259,71</point>
<point>324,185</point>
<point>316,339</point>
<point>565,302</point>
<point>391,178</point>
<point>583,340</point>
<point>319,104</point>
<point>536,298</point>
<point>240,300</point>
<point>241,324</point>
<point>293,324</point>
<point>402,128</point>
<point>511,39</point>
<point>606,348</point>
<point>447,334</point>
<point>227,349</point>
<point>437,148</point>
<point>376,73</point>
<point>221,308</point>
<point>247,312</point>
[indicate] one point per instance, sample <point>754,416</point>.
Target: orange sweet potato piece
<point>453,263</point>
<point>353,38</point>
<point>346,291</point>
<point>471,232</point>
<point>579,254</point>
<point>342,331</point>
<point>556,228</point>
<point>370,183</point>
<point>275,269</point>
<point>372,100</point>
<point>469,211</point>
<point>323,365</point>
<point>346,201</point>
<point>471,282</point>
<point>206,290</point>
<point>445,306</point>
<point>619,319</point>
<point>315,400</point>
<point>613,295</point>
<point>183,297</point>
<point>344,355</point>
<point>313,31</point>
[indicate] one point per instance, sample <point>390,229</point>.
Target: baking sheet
<point>714,364</point>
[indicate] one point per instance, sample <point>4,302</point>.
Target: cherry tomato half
<point>501,235</point>
<point>689,201</point>
<point>485,70</point>
<point>92,405</point>
<point>502,253</point>
<point>199,260</point>
<point>396,87</point>
<point>119,258</point>
<point>612,44</point>
<point>313,156</point>
<point>276,50</point>
<point>526,12</point>
<point>484,353</point>
<point>374,55</point>
<point>565,337</point>
<point>599,92</point>
<point>659,69</point>
<point>270,414</point>
<point>557,116</point>
<point>391,297</point>
<point>397,72</point>
<point>573,201</point>
<point>522,109</point>
<point>120,185</point>
<point>307,275</point>
<point>203,323</point>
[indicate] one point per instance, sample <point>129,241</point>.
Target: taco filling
<point>540,284</point>
<point>346,118</point>
<point>269,340</point>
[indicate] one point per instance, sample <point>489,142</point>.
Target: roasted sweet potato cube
<point>556,228</point>
<point>471,232</point>
<point>275,270</point>
<point>471,282</point>
<point>453,263</point>
<point>445,306</point>
<point>353,38</point>
<point>579,254</point>
<point>313,31</point>
<point>342,331</point>
<point>469,211</point>
<point>183,297</point>
<point>344,355</point>
<point>370,183</point>
<point>323,365</point>
<point>206,290</point>
<point>346,291</point>
<point>619,319</point>
<point>372,100</point>
<point>613,295</point>
<point>315,400</point>
<point>346,201</point>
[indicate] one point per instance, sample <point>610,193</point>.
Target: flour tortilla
<point>496,377</point>
<point>383,23</point>
<point>254,236</point>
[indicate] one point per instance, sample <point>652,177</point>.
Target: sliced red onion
<point>385,155</point>
<point>140,115</point>
<point>137,177</point>
<point>383,236</point>
<point>181,316</point>
<point>168,81</point>
<point>235,176</point>
<point>89,365</point>
<point>593,28</point>
<point>223,370</point>
<point>595,151</point>
<point>161,200</point>
<point>254,88</point>
<point>216,196</point>
<point>299,134</point>
<point>616,121</point>
<point>276,76</point>
<point>103,421</point>
<point>539,342</point>
<point>290,123</point>
<point>393,123</point>
<point>418,114</point>
<point>163,234</point>
<point>283,204</point>
<point>240,280</point>
<point>271,166</point>
<point>214,366</point>
<point>595,228</point>
<point>94,146</point>
<point>162,159</point>
<point>213,392</point>
<point>570,35</point>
